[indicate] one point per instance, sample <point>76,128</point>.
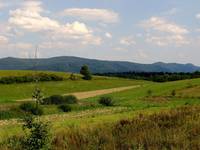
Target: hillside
<point>73,64</point>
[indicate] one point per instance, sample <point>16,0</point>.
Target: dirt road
<point>89,94</point>
<point>83,95</point>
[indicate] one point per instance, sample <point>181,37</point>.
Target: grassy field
<point>89,114</point>
<point>12,92</point>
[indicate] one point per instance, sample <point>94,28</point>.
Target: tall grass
<point>176,129</point>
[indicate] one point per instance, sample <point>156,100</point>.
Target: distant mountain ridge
<point>73,64</point>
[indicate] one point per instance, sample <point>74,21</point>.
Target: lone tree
<point>86,72</point>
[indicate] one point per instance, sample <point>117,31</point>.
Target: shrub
<point>70,99</point>
<point>30,78</point>
<point>53,100</point>
<point>6,114</point>
<point>31,108</point>
<point>72,77</point>
<point>65,108</point>
<point>27,107</point>
<point>149,93</point>
<point>106,101</point>
<point>173,93</point>
<point>58,100</point>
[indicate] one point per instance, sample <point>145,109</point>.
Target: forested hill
<point>73,64</point>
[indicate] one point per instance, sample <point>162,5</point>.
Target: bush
<point>106,101</point>
<point>149,93</point>
<point>39,137</point>
<point>70,99</point>
<point>6,114</point>
<point>72,77</point>
<point>31,108</point>
<point>173,93</point>
<point>53,100</point>
<point>65,108</point>
<point>58,100</point>
<point>30,78</point>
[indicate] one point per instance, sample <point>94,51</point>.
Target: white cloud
<point>128,41</point>
<point>102,15</point>
<point>163,32</point>
<point>3,40</point>
<point>108,35</point>
<point>160,24</point>
<point>29,18</point>
<point>177,40</point>
<point>33,6</point>
<point>198,16</point>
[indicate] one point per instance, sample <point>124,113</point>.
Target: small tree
<point>149,93</point>
<point>37,135</point>
<point>173,93</point>
<point>86,72</point>
<point>37,96</point>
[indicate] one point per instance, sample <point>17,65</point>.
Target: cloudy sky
<point>143,31</point>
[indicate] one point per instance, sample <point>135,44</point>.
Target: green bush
<point>7,114</point>
<point>106,101</point>
<point>70,99</point>
<point>30,78</point>
<point>39,137</point>
<point>73,77</point>
<point>173,93</point>
<point>149,93</point>
<point>31,108</point>
<point>58,100</point>
<point>65,108</point>
<point>53,100</point>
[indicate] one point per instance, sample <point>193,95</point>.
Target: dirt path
<point>83,95</point>
<point>89,94</point>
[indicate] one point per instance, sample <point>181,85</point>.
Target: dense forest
<point>153,76</point>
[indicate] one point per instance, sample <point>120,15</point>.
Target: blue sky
<point>141,31</point>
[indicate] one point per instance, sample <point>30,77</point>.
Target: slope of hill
<point>73,64</point>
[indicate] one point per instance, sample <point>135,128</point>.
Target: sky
<point>143,31</point>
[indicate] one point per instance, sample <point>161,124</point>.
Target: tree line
<point>30,78</point>
<point>153,76</point>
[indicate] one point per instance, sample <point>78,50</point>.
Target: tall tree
<point>86,72</point>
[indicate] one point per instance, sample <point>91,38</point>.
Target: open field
<point>131,98</point>
<point>13,92</point>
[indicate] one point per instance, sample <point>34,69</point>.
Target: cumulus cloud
<point>29,17</point>
<point>127,41</point>
<point>163,32</point>
<point>102,15</point>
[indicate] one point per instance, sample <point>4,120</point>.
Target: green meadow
<point>88,114</point>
